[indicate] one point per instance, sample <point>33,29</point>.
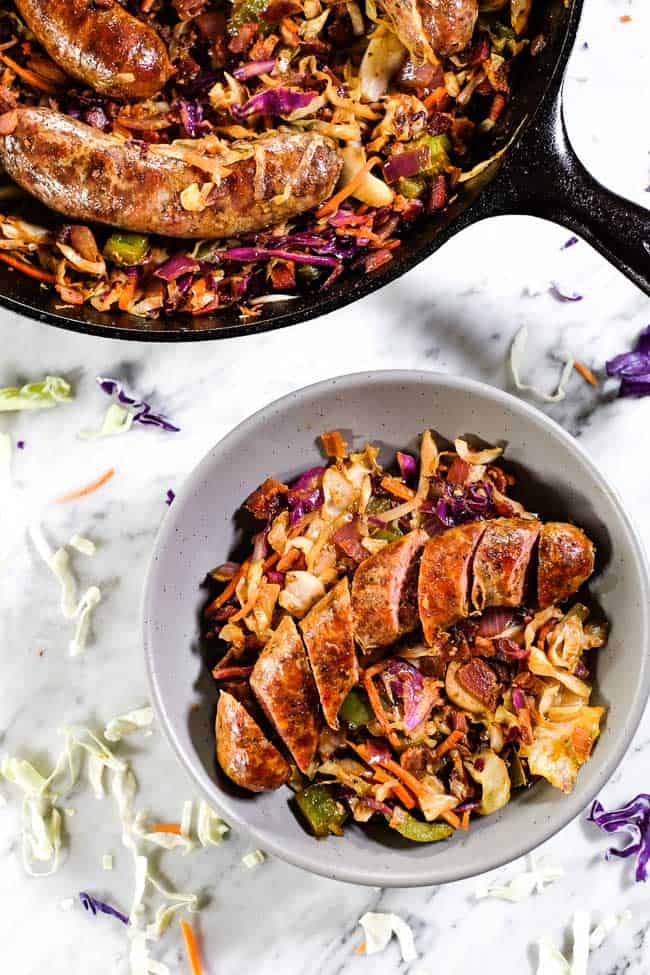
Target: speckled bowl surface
<point>555,477</point>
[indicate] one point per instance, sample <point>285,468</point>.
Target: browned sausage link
<point>384,592</point>
<point>566,560</point>
<point>329,638</point>
<point>103,46</point>
<point>448,24</point>
<point>283,684</point>
<point>89,176</point>
<point>501,562</point>
<point>444,577</point>
<point>244,753</point>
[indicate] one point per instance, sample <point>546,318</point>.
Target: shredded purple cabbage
<point>273,101</point>
<point>169,497</point>
<point>177,266</point>
<point>305,494</point>
<point>261,254</point>
<point>191,114</point>
<point>569,243</point>
<point>20,444</point>
<point>633,818</point>
<point>277,577</point>
<point>142,410</point>
<point>470,503</point>
<point>93,905</point>
<point>406,683</point>
<point>559,292</point>
<point>633,367</point>
<point>407,465</point>
<point>253,69</point>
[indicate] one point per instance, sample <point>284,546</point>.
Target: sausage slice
<point>449,24</point>
<point>384,592</point>
<point>283,684</point>
<point>329,638</point>
<point>501,562</point>
<point>91,176</point>
<point>101,44</point>
<point>244,753</point>
<point>443,586</point>
<point>566,560</point>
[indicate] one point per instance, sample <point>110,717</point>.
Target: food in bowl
<point>238,153</point>
<point>400,646</point>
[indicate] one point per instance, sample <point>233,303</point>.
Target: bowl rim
<point>315,862</point>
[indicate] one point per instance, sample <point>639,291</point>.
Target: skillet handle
<point>542,177</point>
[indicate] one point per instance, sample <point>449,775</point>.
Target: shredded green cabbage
<point>535,879</point>
<point>40,395</point>
<point>126,724</point>
<point>210,829</point>
<point>116,420</point>
<point>253,859</point>
<point>517,356</point>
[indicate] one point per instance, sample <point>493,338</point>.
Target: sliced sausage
<point>329,638</point>
<point>102,45</point>
<point>566,560</point>
<point>443,586</point>
<point>501,562</point>
<point>449,24</point>
<point>244,752</point>
<point>91,176</point>
<point>384,592</point>
<point>284,686</point>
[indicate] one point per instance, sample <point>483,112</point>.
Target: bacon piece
<point>501,562</point>
<point>264,502</point>
<point>444,577</point>
<point>348,539</point>
<point>384,592</point>
<point>329,638</point>
<point>566,560</point>
<point>479,680</point>
<point>244,753</point>
<point>283,684</point>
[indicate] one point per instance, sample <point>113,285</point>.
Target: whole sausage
<point>566,560</point>
<point>384,592</point>
<point>329,638</point>
<point>90,176</point>
<point>101,45</point>
<point>432,27</point>
<point>283,684</point>
<point>244,752</point>
<point>443,586</point>
<point>501,562</point>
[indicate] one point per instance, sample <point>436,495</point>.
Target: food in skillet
<point>403,646</point>
<point>194,155</point>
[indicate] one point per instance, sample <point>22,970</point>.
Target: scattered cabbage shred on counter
<point>633,819</point>
<point>379,929</point>
<point>521,887</point>
<point>139,410</point>
<point>40,395</point>
<point>516,359</point>
<point>633,368</point>
<point>553,962</point>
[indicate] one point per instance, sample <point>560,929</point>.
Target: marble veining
<point>456,313</point>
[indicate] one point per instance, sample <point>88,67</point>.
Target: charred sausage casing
<point>566,560</point>
<point>244,752</point>
<point>443,586</point>
<point>90,176</point>
<point>104,46</point>
<point>501,562</point>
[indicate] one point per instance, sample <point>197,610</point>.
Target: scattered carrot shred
<point>333,444</point>
<point>464,822</point>
<point>397,488</point>
<point>28,269</point>
<point>88,489</point>
<point>165,828</point>
<point>448,743</point>
<point>625,18</point>
<point>229,591</point>
<point>360,949</point>
<point>192,948</point>
<point>585,372</point>
<point>332,204</point>
<point>30,77</point>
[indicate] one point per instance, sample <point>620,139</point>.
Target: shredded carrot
<point>333,203</point>
<point>625,18</point>
<point>229,591</point>
<point>448,743</point>
<point>464,822</point>
<point>289,559</point>
<point>224,673</point>
<point>435,99</point>
<point>30,77</point>
<point>88,489</point>
<point>192,948</point>
<point>28,269</point>
<point>360,949</point>
<point>397,488</point>
<point>270,562</point>
<point>397,789</point>
<point>375,700</point>
<point>585,372</point>
<point>127,294</point>
<point>416,788</point>
<point>333,444</point>
<point>165,828</point>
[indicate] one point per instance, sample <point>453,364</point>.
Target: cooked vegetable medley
<point>398,644</point>
<point>195,154</point>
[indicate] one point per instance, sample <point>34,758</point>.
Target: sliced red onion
<point>378,806</point>
<point>348,538</point>
<point>494,621</point>
<point>407,465</point>
<point>403,165</point>
<point>273,101</point>
<point>518,699</point>
<point>176,266</point>
<point>510,651</point>
<point>260,546</point>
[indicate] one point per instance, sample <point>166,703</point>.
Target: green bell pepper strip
<point>324,814</point>
<point>419,832</point>
<point>355,710</point>
<point>127,249</point>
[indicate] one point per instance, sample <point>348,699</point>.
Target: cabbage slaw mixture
<point>409,128</point>
<point>422,745</point>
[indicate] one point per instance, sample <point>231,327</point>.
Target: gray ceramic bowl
<point>391,408</point>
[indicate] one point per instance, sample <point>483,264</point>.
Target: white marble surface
<point>456,313</point>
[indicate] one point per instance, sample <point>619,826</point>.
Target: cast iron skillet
<point>539,175</point>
